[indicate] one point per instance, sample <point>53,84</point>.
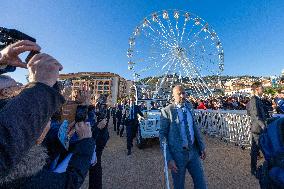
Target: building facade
<point>111,85</point>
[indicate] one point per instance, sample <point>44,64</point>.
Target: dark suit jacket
<point>258,114</point>
<point>136,112</point>
<point>119,114</point>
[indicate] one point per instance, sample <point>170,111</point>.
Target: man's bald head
<point>179,94</point>
<point>178,88</point>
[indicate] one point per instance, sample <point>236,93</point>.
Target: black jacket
<point>136,112</point>
<point>118,114</point>
<point>113,112</point>
<point>22,120</point>
<point>258,114</point>
<point>100,136</point>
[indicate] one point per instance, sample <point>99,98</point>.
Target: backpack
<point>271,143</point>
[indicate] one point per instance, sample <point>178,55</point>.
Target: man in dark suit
<point>119,118</point>
<point>185,146</point>
<point>113,113</point>
<point>132,123</point>
<point>258,114</point>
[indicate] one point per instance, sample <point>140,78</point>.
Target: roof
<point>82,74</point>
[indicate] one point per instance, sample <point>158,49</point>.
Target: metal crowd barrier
<point>228,125</point>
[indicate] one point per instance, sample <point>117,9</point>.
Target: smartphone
<point>81,113</point>
<point>63,135</point>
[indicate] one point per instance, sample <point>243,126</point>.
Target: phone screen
<point>62,134</point>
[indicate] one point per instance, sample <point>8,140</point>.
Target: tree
<point>270,91</point>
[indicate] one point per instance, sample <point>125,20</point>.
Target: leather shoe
<point>129,152</point>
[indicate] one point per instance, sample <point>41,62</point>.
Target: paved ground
<point>226,166</point>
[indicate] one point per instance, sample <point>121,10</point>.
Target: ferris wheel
<point>175,47</point>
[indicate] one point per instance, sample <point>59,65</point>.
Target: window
<point>106,87</point>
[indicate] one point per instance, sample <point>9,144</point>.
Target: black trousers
<point>114,123</point>
<point>121,130</point>
<point>254,152</point>
<point>131,130</point>
<point>118,125</point>
<point>96,173</point>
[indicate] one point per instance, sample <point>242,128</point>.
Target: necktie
<point>184,112</point>
<point>184,116</point>
<point>132,112</point>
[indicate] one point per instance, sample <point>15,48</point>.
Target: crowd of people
<point>50,138</point>
<point>126,115</point>
<point>37,148</point>
<point>273,104</point>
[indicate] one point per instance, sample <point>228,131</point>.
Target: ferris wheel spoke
<point>172,31</point>
<point>140,60</point>
<point>183,30</point>
<point>199,76</point>
<point>188,35</point>
<point>177,29</point>
<point>157,74</point>
<point>193,41</point>
<point>161,41</point>
<point>165,36</point>
<point>155,39</point>
<point>209,70</point>
<point>193,72</point>
<point>165,75</point>
<point>203,61</point>
<point>165,40</point>
<point>202,53</point>
<point>189,75</point>
<point>166,30</point>
<point>152,56</point>
<point>176,69</point>
<point>173,74</point>
<point>200,83</point>
<point>155,65</point>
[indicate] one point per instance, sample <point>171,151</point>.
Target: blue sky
<point>93,35</point>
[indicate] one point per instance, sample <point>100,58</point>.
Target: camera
<point>10,36</point>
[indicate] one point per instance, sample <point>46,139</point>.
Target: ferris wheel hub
<point>179,52</point>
